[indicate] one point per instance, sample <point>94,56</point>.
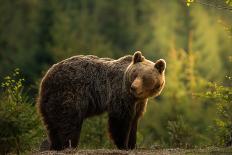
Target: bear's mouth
<point>135,93</point>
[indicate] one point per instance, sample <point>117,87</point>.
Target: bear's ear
<point>160,65</point>
<point>137,57</point>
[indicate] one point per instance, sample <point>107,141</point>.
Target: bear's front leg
<point>119,129</point>
<point>132,136</point>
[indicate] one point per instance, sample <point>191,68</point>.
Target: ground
<point>206,151</point>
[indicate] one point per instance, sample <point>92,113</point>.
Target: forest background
<point>195,38</point>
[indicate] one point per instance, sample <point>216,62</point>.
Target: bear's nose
<point>133,88</point>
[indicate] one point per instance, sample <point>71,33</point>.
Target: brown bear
<point>83,86</point>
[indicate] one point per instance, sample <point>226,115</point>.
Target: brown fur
<point>84,86</point>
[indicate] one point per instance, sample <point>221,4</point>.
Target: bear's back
<point>86,65</point>
<point>79,71</point>
<point>76,70</point>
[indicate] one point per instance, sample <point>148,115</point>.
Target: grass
<point>174,151</point>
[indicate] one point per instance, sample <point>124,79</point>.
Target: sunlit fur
<point>84,86</point>
<point>146,79</point>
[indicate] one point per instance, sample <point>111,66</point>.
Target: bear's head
<point>146,78</point>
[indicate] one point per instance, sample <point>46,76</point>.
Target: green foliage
<point>19,39</point>
<point>13,87</point>
<point>94,133</point>
<point>20,128</point>
<point>222,127</point>
<point>229,2</point>
<point>181,134</point>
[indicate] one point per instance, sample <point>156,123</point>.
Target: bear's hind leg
<point>66,134</point>
<point>75,136</point>
<point>70,134</point>
<point>54,140</point>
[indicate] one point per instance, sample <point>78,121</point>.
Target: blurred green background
<point>195,107</point>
